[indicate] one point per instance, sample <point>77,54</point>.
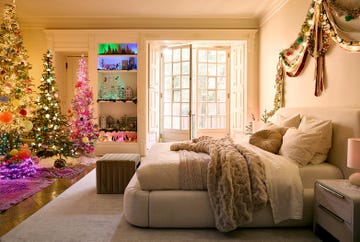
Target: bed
<point>154,198</point>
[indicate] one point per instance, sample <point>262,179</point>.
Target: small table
<point>337,209</point>
<point>114,171</point>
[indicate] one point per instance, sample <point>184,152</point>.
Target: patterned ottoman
<point>114,171</point>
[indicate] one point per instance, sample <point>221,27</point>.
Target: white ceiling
<point>74,13</point>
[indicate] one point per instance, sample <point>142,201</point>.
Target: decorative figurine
<point>128,93</point>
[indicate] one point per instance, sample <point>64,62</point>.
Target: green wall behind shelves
<point>113,48</point>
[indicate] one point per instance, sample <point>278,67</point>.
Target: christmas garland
<point>314,39</point>
<point>341,10</point>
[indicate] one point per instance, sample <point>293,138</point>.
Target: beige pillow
<point>310,124</point>
<point>272,126</point>
<point>292,121</point>
<point>299,146</point>
<point>269,140</point>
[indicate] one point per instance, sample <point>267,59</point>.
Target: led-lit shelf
<point>115,71</point>
<point>134,100</point>
<point>117,55</point>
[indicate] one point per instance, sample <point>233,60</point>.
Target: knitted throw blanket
<point>235,180</point>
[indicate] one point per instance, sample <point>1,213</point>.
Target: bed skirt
<point>191,209</point>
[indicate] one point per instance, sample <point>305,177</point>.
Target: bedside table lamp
<point>353,159</point>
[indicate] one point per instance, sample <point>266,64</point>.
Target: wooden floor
<point>18,213</point>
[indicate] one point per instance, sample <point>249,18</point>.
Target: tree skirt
<point>66,172</point>
<point>14,191</point>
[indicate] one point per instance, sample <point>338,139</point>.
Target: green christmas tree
<point>51,131</point>
<point>15,82</point>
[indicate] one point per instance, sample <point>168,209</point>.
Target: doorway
<point>66,67</point>
<point>195,88</point>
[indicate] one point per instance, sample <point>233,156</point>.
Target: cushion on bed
<point>272,126</point>
<point>299,146</point>
<point>267,139</point>
<point>287,121</point>
<point>310,124</point>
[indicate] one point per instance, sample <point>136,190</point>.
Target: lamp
<point>353,159</point>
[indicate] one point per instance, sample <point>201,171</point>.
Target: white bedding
<point>160,171</point>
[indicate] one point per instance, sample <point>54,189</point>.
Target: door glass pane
<point>221,109</point>
<point>167,108</point>
<point>202,95</point>
<point>201,122</point>
<point>202,69</point>
<point>168,82</point>
<point>185,68</point>
<point>221,70</point>
<point>202,108</point>
<point>176,82</point>
<point>202,55</point>
<point>212,56</point>
<point>185,82</point>
<point>211,96</point>
<point>202,82</point>
<point>221,56</point>
<point>221,96</point>
<point>167,55</point>
<point>176,69</point>
<point>167,122</point>
<point>211,83</point>
<point>168,69</point>
<point>167,96</point>
<point>185,95</point>
<point>176,55</point>
<point>176,109</point>
<point>185,109</point>
<point>185,55</point>
<point>211,109</point>
<point>221,122</point>
<point>212,69</point>
<point>184,123</point>
<point>176,96</point>
<point>211,122</point>
<point>176,122</point>
<point>221,83</point>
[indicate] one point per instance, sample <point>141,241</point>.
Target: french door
<point>190,88</point>
<point>212,91</point>
<point>194,89</point>
<point>175,116</point>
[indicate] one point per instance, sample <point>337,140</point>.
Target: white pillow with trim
<point>299,146</point>
<point>310,124</point>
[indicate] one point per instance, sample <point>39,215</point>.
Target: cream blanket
<point>235,179</point>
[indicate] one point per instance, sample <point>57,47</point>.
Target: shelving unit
<point>117,98</point>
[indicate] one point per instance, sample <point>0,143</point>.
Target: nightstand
<point>337,209</point>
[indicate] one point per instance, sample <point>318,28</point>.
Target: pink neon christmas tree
<point>84,132</point>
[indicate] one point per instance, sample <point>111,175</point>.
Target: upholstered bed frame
<point>184,209</point>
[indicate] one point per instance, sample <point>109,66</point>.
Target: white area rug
<point>79,215</point>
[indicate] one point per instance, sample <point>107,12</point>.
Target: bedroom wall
<point>341,67</point>
<point>35,43</point>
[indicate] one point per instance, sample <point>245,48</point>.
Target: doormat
<point>68,172</point>
<point>14,191</point>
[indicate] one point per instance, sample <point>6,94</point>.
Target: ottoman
<point>114,171</point>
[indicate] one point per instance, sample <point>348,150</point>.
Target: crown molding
<point>271,11</point>
<point>137,23</point>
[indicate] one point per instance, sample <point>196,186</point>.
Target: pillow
<point>272,126</point>
<point>299,146</point>
<point>284,121</point>
<point>310,124</point>
<point>266,139</point>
